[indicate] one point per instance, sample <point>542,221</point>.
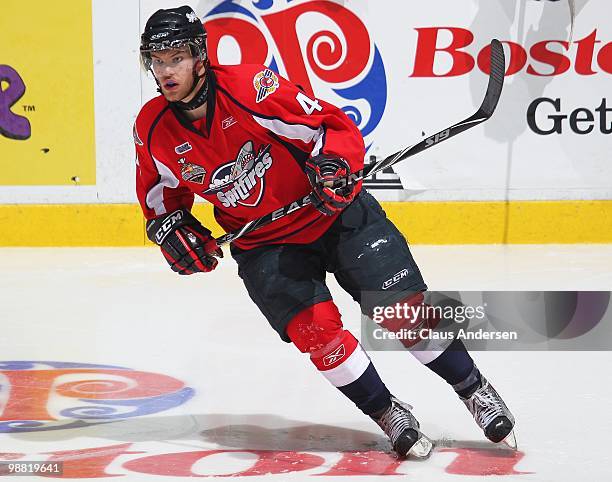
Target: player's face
<point>174,71</point>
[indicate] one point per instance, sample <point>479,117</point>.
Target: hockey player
<point>249,142</point>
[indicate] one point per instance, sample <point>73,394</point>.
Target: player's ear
<point>201,67</point>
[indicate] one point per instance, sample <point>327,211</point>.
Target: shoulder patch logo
<point>192,17</point>
<point>137,139</point>
<point>191,172</point>
<point>265,84</point>
<point>183,148</point>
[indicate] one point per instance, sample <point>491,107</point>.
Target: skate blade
<point>510,441</point>
<point>422,448</point>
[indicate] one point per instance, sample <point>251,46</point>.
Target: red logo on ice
<point>132,460</point>
<point>59,395</point>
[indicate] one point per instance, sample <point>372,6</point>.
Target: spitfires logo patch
<point>265,83</point>
<point>191,172</point>
<point>241,182</point>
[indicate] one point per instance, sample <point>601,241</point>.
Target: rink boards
<point>401,71</point>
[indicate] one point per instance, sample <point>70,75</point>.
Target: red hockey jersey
<point>246,157</point>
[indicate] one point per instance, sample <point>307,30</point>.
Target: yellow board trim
<point>490,222</point>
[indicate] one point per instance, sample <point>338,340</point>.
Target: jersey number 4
<point>309,105</point>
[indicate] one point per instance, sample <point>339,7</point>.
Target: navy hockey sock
<point>368,392</point>
<point>455,365</point>
<point>338,356</point>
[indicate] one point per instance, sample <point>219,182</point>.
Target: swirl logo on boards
<point>321,46</point>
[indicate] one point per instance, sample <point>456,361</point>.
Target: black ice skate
<point>491,414</point>
<point>403,431</point>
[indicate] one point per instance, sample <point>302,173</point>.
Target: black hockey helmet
<point>173,28</point>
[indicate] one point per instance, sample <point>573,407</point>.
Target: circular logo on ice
<point>321,46</point>
<point>42,395</point>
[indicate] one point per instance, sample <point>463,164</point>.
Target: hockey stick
<point>572,8</point>
<point>494,89</point>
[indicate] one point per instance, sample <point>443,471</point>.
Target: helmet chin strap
<point>201,96</point>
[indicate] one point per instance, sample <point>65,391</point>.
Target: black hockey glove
<point>327,168</point>
<point>186,244</point>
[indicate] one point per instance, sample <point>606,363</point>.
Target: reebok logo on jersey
<point>265,83</point>
<point>230,121</point>
<point>241,182</point>
<point>334,356</point>
<point>183,148</point>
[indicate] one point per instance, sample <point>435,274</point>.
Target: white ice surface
<point>253,392</point>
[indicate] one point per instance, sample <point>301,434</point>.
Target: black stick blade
<point>496,79</point>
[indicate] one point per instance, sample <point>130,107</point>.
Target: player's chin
<point>173,95</point>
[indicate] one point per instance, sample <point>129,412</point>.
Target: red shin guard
<point>318,330</point>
